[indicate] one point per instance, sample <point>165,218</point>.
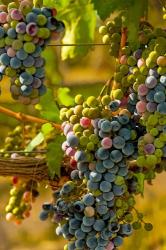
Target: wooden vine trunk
<point>25,167</point>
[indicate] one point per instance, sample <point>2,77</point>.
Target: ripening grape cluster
<point>22,195</point>
<point>23,192</point>
<point>24,33</point>
<point>94,209</point>
<point>112,35</point>
<point>141,82</point>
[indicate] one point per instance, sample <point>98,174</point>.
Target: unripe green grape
<point>118,76</point>
<point>78,134</point>
<point>90,146</point>
<point>119,180</point>
<point>92,102</point>
<point>74,119</point>
<point>119,213</point>
<point>93,113</point>
<point>106,39</point>
<point>161,70</point>
<point>10,72</point>
<point>131,202</point>
<point>14,24</point>
<point>125,206</point>
<point>31,70</point>
<point>63,116</point>
<point>103,30</point>
<point>41,20</point>
<point>87,132</point>
<point>144,70</point>
<point>79,99</point>
<point>69,113</point>
<point>129,217</point>
<point>77,128</point>
<point>8,41</point>
<point>94,138</point>
<point>148,226</point>
<point>78,110</point>
<point>105,100</point>
<point>140,216</point>
<point>14,191</point>
<point>16,211</point>
<point>131,61</point>
<point>8,209</point>
<point>2,42</point>
<point>131,79</point>
<point>136,225</point>
<point>85,112</point>
<point>116,38</point>
<point>124,69</point>
<point>84,140</point>
<point>117,94</point>
<point>118,202</point>
<point>28,38</point>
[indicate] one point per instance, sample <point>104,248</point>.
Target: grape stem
<point>28,118</point>
<point>123,40</point>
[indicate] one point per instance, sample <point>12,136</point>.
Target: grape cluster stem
<point>28,118</point>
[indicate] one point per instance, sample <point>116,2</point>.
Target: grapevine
<point>25,30</point>
<point>107,146</point>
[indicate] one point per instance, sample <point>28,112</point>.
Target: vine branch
<point>28,118</point>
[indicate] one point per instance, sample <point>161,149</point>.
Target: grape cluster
<point>111,33</point>
<point>22,195</point>
<point>95,208</point>
<point>24,33</point>
<point>17,139</point>
<point>142,76</point>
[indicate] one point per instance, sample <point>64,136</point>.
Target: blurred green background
<point>86,76</point>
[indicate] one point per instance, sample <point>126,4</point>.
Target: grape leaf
<point>55,156</point>
<point>64,97</point>
<point>133,16</point>
<point>49,109</point>
<point>80,23</point>
<point>107,7</point>
<point>39,138</point>
<point>51,66</point>
<point>140,178</point>
<point>56,3</point>
<point>47,128</point>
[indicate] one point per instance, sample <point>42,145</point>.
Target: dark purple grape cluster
<point>24,33</point>
<point>95,209</point>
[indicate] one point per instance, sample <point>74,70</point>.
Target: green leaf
<point>49,109</point>
<point>107,7</point>
<point>55,156</point>
<point>133,16</point>
<point>39,138</point>
<point>52,66</point>
<point>140,178</point>
<point>80,24</point>
<point>47,128</point>
<point>64,97</point>
<point>38,3</point>
<point>56,3</point>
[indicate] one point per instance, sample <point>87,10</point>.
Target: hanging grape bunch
<point>22,195</point>
<point>141,81</point>
<point>95,210</point>
<point>24,32</point>
<point>113,140</point>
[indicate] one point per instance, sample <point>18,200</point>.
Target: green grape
<point>148,226</point>
<point>136,225</point>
